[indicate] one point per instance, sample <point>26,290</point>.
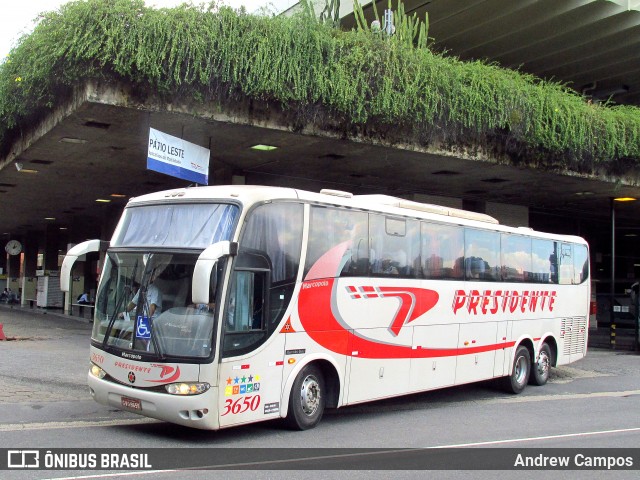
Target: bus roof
<point>251,194</point>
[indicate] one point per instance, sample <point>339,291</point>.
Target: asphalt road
<point>44,404</point>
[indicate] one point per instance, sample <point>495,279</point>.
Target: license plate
<point>132,403</point>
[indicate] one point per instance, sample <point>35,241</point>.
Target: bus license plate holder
<point>131,403</point>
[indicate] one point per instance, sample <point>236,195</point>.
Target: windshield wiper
<point>144,306</point>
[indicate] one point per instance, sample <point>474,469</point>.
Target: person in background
<point>11,296</point>
<point>84,299</point>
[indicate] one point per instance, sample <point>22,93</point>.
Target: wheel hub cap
<point>310,395</point>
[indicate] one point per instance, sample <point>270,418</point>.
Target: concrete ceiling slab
<point>591,45</point>
<point>107,155</point>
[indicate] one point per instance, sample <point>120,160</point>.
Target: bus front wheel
<point>307,399</point>
<point>520,372</point>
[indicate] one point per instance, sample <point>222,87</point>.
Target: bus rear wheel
<point>541,369</point>
<point>307,400</point>
<point>520,372</point>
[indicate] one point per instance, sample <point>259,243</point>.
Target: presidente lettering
<point>135,368</point>
<point>491,302</point>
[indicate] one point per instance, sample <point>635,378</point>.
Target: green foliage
<point>360,79</point>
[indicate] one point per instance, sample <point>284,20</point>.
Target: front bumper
<point>196,411</point>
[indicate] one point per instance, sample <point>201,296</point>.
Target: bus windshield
<point>144,297</point>
<point>187,225</point>
<point>144,306</point>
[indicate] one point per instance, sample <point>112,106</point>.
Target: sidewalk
<point>601,338</point>
<point>24,322</point>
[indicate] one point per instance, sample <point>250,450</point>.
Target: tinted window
<point>566,264</point>
<point>394,246</point>
<point>544,266</point>
<point>275,229</point>
<point>581,263</point>
<point>244,322</point>
<point>442,251</point>
<point>346,230</point>
<point>516,258</point>
<point>482,252</point>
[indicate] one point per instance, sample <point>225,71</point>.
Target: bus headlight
<point>96,371</point>
<point>187,388</point>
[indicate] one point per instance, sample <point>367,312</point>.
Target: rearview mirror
<point>202,278</point>
<point>70,258</point>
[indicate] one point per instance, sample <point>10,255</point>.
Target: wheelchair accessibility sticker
<point>143,328</point>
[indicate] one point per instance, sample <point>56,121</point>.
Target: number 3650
<point>241,405</point>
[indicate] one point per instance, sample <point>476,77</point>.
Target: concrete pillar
<point>13,264</point>
<point>110,219</point>
<point>31,246</point>
<point>13,272</point>
<point>478,206</point>
<point>29,267</point>
<point>3,260</point>
<point>3,266</point>
<point>51,248</point>
<point>512,215</point>
<point>223,174</point>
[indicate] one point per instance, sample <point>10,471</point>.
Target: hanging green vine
<point>363,79</point>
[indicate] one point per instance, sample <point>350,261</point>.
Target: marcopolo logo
<point>23,459</point>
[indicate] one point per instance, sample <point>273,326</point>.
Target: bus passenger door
<point>250,372</point>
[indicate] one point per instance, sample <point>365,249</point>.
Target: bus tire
<point>540,370</point>
<point>520,372</point>
<point>307,399</point>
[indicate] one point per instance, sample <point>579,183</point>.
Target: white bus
<point>251,303</point>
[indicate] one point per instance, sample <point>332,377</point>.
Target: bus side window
<point>266,271</point>
<point>516,258</point>
<point>543,262</point>
<point>331,227</point>
<point>580,264</point>
<point>442,251</point>
<point>244,320</point>
<point>566,264</point>
<point>482,252</point>
<point>395,246</point>
<point>358,262</point>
